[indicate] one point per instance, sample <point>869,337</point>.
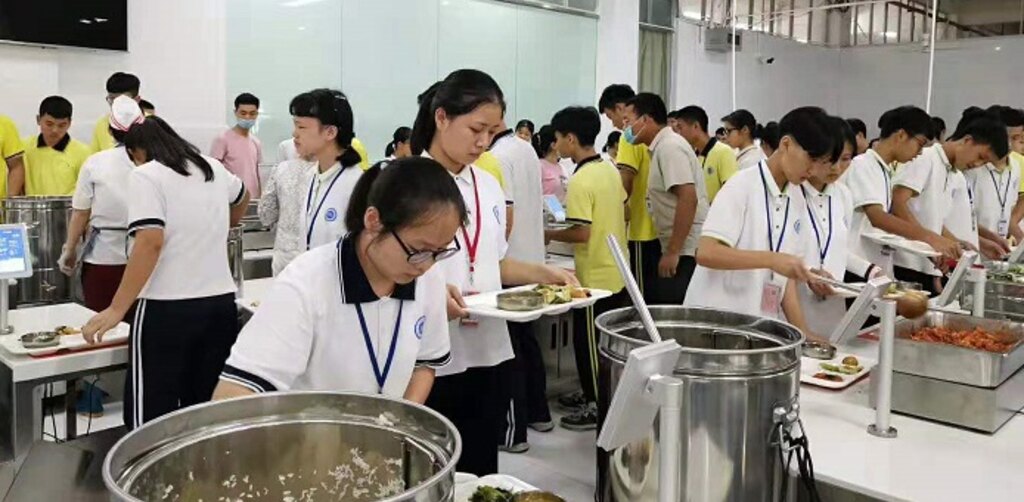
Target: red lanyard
<point>471,247</point>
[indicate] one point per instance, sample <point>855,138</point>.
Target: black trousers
<point>643,259</point>
<point>672,290</point>
<point>585,338</point>
<point>472,401</point>
<point>176,350</point>
<point>926,281</point>
<point>523,385</point>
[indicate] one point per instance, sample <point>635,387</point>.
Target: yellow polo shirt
<point>101,138</point>
<point>719,164</point>
<point>53,171</point>
<point>638,158</point>
<point>364,160</point>
<point>592,198</point>
<point>1020,162</point>
<point>10,145</point>
<point>488,162</point>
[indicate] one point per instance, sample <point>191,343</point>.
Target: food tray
<point>914,247</point>
<point>809,366</point>
<point>952,363</point>
<point>68,343</point>
<point>466,485</point>
<point>486,305</point>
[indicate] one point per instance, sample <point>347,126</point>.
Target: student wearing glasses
<point>741,130</point>
<point>380,278</point>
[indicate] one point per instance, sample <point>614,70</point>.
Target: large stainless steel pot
<point>236,257</point>
<point>736,371</point>
<point>47,221</point>
<point>289,446</point>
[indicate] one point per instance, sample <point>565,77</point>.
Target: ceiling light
<point>100,19</point>
<point>85,21</point>
<point>691,14</point>
<point>890,34</point>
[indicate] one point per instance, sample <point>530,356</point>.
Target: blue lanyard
<point>381,377</point>
<point>1006,192</point>
<point>772,246</point>
<point>822,252</point>
<point>309,202</point>
<point>888,185</point>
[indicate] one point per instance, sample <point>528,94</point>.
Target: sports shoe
<point>516,448</point>
<point>584,419</point>
<point>542,426</point>
<point>572,401</point>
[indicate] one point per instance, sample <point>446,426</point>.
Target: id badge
<point>469,322</point>
<point>771,296</point>
<point>650,205</point>
<point>1003,226</point>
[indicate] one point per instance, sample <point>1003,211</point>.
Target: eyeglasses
<point>921,141</point>
<point>730,130</point>
<point>416,257</point>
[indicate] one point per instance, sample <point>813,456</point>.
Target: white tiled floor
<point>560,461</point>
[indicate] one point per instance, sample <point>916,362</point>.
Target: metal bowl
<point>289,446</point>
<point>40,340</point>
<point>520,301</point>
<point>818,350</point>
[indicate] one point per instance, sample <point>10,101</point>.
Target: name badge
<point>771,296</point>
<point>469,322</point>
<point>1003,227</point>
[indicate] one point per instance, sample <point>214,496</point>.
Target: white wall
<point>176,49</point>
<point>801,75</point>
<point>618,47</point>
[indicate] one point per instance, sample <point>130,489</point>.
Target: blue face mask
<point>246,123</point>
<point>629,135</point>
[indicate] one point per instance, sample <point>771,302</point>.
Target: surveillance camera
<point>766,60</point>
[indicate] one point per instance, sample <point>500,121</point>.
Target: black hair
<point>146,105</point>
<point>527,124</point>
<point>809,126</point>
<point>613,95</point>
<point>583,121</point>
<point>673,115</point>
<point>720,131</point>
<point>162,144</point>
<point>613,140</point>
<point>843,134</point>
<point>858,126</point>
<point>424,184</point>
<point>938,127</point>
<point>246,98</point>
<point>984,128</point>
<point>769,134</point>
<point>331,108</point>
<point>1012,117</point>
<point>650,104</point>
<point>694,114</point>
<point>123,83</point>
<point>911,119</point>
<point>543,141</point>
<point>461,92</point>
<point>401,135</point>
<point>118,134</point>
<point>57,107</point>
<point>740,119</point>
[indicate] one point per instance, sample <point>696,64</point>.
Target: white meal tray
<point>809,366</point>
<point>68,343</point>
<point>914,247</point>
<point>466,485</point>
<point>486,305</point>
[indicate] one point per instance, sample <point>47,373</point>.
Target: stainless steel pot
<point>47,221</point>
<point>236,258</point>
<point>737,371</point>
<point>289,446</point>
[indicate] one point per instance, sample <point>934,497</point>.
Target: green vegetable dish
<point>493,494</point>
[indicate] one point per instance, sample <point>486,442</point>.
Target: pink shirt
<point>553,179</point>
<point>241,155</point>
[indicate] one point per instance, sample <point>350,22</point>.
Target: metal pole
<point>732,13</point>
<point>978,305</point>
<point>633,289</point>
<point>670,396</point>
<point>5,307</point>
<point>931,56</point>
<point>883,392</point>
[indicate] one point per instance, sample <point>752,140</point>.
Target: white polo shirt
<point>103,190</point>
<point>486,343</point>
<point>962,219</point>
<point>929,176</point>
<point>308,335</point>
<point>674,163</point>
<point>869,181</point>
<point>521,168</point>
<point>995,194</point>
<point>286,151</point>
<point>750,156</point>
<point>828,217</point>
<point>740,217</point>
<point>326,202</point>
<point>194,215</point>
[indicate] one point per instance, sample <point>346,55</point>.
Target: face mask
<point>246,123</point>
<point>629,135</point>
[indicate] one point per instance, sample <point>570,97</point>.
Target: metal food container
<point>289,446</point>
<point>46,219</point>
<point>736,371</point>
<point>957,364</point>
<point>1004,299</point>
<point>520,301</point>
<point>236,258</point>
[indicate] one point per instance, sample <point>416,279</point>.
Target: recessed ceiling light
<point>85,21</point>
